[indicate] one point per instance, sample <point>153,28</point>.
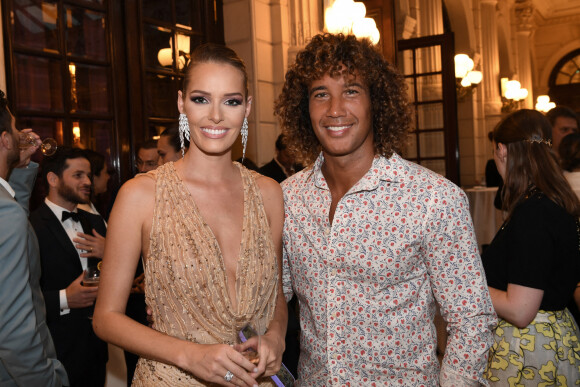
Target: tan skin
<point>216,185</point>
<point>342,104</point>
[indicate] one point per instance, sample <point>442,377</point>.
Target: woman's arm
<point>518,305</point>
<point>127,234</point>
<point>275,337</point>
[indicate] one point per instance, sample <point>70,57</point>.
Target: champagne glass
<point>47,146</point>
<point>251,332</point>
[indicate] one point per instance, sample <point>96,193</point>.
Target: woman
<point>100,179</point>
<point>210,232</point>
<point>532,264</point>
<point>169,147</point>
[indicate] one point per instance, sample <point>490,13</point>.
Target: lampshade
<point>164,56</point>
<point>364,28</point>
<point>521,94</point>
<point>348,17</point>
<point>475,77</point>
<point>463,65</point>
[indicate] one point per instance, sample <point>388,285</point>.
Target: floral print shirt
<point>401,241</point>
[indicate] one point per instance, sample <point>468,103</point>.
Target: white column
<point>490,57</point>
<point>524,24</point>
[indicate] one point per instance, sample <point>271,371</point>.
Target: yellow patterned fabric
<point>185,278</point>
<point>545,353</point>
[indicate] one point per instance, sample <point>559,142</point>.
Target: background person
<point>189,218</point>
<point>533,263</point>
<point>147,157</point>
<point>564,121</point>
<point>100,178</point>
<point>282,165</point>
<point>27,354</point>
<point>169,146</point>
<point>70,240</point>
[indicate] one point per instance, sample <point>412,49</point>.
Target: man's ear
<point>6,140</point>
<point>52,179</point>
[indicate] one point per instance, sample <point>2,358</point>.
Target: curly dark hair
<point>343,55</point>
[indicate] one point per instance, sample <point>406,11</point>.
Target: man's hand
<point>26,153</point>
<point>79,296</point>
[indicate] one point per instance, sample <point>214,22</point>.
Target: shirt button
<point>327,232</point>
<point>333,272</point>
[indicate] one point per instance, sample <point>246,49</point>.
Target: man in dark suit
<point>70,241</point>
<point>282,165</point>
<point>27,354</point>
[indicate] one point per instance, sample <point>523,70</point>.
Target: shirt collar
<point>5,184</point>
<point>56,209</point>
<point>390,169</point>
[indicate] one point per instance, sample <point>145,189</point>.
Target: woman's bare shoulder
<point>268,187</point>
<point>137,192</point>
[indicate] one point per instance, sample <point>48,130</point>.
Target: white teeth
<point>213,131</point>
<point>336,128</point>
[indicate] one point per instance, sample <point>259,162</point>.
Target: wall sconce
<point>165,55</point>
<point>76,132</point>
<point>511,95</point>
<point>543,104</point>
<point>348,17</point>
<point>466,79</point>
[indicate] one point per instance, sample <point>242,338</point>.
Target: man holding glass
<point>71,245</point>
<point>27,354</point>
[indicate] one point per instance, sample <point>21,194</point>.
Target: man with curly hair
<point>372,242</point>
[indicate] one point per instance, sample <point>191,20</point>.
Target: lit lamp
<point>466,79</point>
<point>348,17</point>
<point>543,104</point>
<point>165,55</point>
<point>511,95</point>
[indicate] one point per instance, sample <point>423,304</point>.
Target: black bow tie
<point>73,215</point>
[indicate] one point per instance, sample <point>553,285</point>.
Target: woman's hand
<point>94,245</point>
<point>213,362</point>
<point>270,352</point>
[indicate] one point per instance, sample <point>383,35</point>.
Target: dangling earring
<point>244,133</point>
<point>183,132</point>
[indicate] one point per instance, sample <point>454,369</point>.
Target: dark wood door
<point>383,12</point>
<point>428,67</point>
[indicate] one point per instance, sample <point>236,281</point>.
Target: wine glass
<point>47,146</point>
<point>251,333</point>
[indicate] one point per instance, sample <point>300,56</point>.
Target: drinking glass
<point>47,146</point>
<point>250,332</point>
<point>92,276</point>
<point>91,279</point>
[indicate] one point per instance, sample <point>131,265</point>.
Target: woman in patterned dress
<point>533,263</point>
<point>210,232</point>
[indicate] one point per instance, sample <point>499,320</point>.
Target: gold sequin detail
<point>185,278</point>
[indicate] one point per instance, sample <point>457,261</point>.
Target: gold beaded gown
<point>185,279</point>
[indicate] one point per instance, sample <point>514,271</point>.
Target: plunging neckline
<point>211,234</point>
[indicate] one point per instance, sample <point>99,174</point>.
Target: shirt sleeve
<point>22,182</point>
<point>22,352</point>
<point>459,286</point>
